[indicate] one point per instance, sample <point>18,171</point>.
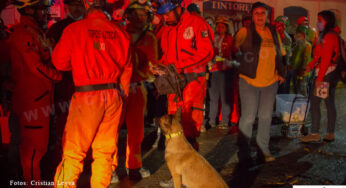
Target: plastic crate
<point>298,103</point>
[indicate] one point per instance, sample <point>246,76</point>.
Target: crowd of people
<point>71,86</point>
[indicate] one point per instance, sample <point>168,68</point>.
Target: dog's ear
<point>177,115</point>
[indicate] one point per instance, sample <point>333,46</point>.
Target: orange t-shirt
<point>266,73</point>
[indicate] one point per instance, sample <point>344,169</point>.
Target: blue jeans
<point>255,101</point>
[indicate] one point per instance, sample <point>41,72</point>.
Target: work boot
<point>115,178</point>
<point>137,174</point>
<point>314,137</point>
<point>329,137</point>
<point>212,124</point>
<point>222,125</point>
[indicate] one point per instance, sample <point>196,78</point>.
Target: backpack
<point>341,61</point>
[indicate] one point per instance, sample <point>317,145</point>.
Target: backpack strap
<point>342,48</point>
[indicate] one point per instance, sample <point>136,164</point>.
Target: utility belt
<point>96,87</point>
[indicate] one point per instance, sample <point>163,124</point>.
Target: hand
<point>318,84</point>
<point>343,74</point>
<point>156,71</point>
<point>235,63</point>
<point>281,80</point>
<point>307,70</point>
<point>229,63</point>
<point>118,14</point>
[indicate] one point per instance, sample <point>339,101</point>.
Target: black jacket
<point>249,53</point>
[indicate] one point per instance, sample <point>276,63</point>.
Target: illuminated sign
<point>227,5</point>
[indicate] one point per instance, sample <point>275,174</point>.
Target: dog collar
<point>169,136</point>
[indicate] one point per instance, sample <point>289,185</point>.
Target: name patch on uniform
<point>204,33</point>
<point>100,46</point>
<point>188,33</point>
<point>96,34</point>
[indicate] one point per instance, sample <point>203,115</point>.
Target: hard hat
<point>167,5</point>
<point>302,19</point>
<point>94,3</point>
<point>303,29</point>
<point>146,5</point>
<point>19,4</point>
<point>222,19</point>
<point>283,19</point>
<point>141,5</point>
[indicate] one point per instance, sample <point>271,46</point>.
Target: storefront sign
<point>227,5</point>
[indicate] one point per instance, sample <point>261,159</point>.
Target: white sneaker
<point>167,183</point>
<point>203,129</point>
<point>144,173</point>
<point>115,178</point>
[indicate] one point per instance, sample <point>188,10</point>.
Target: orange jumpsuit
<point>32,97</point>
<point>144,51</point>
<point>96,51</point>
<point>189,46</point>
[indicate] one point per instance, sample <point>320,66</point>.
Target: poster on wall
<point>234,11</point>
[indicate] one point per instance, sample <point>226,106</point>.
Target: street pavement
<point>296,163</point>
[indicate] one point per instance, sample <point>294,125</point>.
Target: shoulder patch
<point>204,33</point>
<point>188,33</point>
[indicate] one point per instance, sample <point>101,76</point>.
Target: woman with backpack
<point>324,62</point>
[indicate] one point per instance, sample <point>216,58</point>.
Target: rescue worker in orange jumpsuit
<point>63,90</point>
<point>34,75</point>
<point>96,50</point>
<point>187,42</point>
<point>144,51</point>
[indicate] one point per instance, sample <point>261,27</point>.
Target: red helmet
<point>94,3</point>
<point>19,4</point>
<point>302,20</point>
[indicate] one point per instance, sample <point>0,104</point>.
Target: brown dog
<point>185,164</point>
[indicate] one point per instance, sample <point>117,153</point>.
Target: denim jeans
<point>332,78</point>
<point>255,101</point>
<point>220,88</point>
